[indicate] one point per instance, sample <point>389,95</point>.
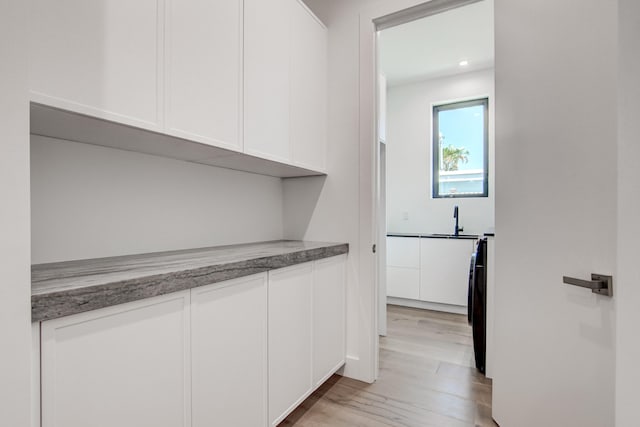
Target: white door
<point>556,196</point>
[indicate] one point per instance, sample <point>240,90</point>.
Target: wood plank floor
<point>426,379</point>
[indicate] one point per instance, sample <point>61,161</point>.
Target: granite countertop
<point>434,236</point>
<point>65,288</point>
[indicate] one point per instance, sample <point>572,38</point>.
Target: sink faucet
<point>456,230</point>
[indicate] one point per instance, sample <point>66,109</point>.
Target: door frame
<point>372,19</point>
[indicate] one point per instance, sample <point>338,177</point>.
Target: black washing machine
<point>477,302</point>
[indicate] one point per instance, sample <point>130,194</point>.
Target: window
<point>460,149</point>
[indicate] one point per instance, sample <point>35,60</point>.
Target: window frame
<point>435,136</point>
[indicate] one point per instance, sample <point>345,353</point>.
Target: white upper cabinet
<point>248,76</point>
<point>98,57</point>
<point>285,113</point>
<point>204,71</point>
<point>308,105</point>
<point>266,78</point>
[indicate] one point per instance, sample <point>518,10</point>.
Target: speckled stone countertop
<point>65,288</point>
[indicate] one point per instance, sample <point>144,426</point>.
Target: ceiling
<point>434,46</point>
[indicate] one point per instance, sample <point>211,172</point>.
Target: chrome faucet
<point>456,230</point>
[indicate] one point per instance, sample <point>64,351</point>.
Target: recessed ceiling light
<point>463,63</point>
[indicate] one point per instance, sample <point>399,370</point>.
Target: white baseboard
<point>426,305</point>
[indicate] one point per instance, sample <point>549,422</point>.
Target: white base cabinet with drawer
<point>243,352</point>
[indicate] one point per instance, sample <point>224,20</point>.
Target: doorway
<point>435,171</point>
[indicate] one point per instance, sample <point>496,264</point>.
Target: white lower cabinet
<point>403,282</point>
<point>430,270</point>
<point>243,352</point>
<point>329,317</point>
<point>290,339</point>
<point>403,267</point>
<point>125,366</point>
<point>444,270</point>
<point>229,353</point>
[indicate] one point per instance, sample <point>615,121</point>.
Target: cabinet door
<point>99,58</point>
<point>329,325</point>
<point>229,353</point>
<point>403,252</point>
<point>125,366</point>
<point>266,78</point>
<point>204,71</point>
<point>403,282</point>
<point>308,89</point>
<point>290,332</point>
<point>444,270</point>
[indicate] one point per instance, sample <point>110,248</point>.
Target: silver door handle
<point>599,283</point>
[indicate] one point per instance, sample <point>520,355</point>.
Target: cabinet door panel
<point>403,282</point>
<point>403,252</point>
<point>329,305</point>
<point>266,78</point>
<point>308,89</point>
<point>444,270</point>
<point>290,332</point>
<point>204,70</point>
<point>229,353</point>
<point>98,57</point>
<point>124,366</point>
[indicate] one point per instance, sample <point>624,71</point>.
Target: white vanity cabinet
<point>101,58</point>
<point>229,353</point>
<point>444,270</point>
<point>203,71</point>
<point>126,366</point>
<point>403,267</point>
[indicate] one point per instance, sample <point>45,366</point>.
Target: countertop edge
<point>55,304</point>
<point>434,236</point>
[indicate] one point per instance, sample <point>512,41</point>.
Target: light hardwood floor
<point>426,379</point>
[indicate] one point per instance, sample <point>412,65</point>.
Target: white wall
<point>15,275</point>
<point>409,156</point>
<point>90,201</point>
<point>628,278</point>
<point>326,209</point>
<point>340,207</point>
